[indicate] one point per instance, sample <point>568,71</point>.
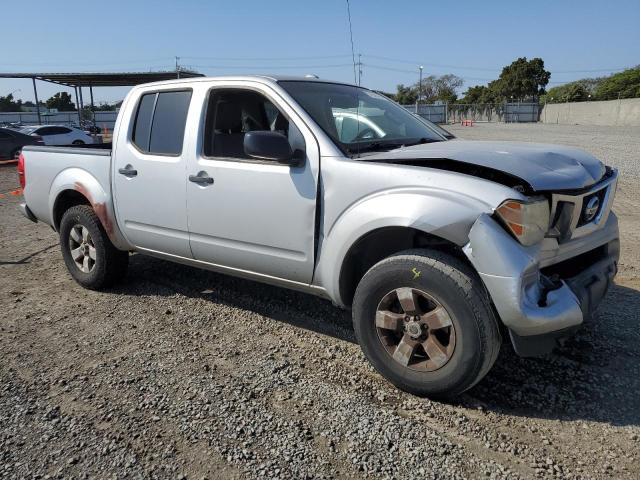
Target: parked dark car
<point>11,143</point>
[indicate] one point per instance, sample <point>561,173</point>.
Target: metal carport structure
<point>79,80</point>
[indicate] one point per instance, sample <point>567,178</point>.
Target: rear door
<point>48,135</point>
<point>64,136</point>
<point>252,215</point>
<point>150,173</point>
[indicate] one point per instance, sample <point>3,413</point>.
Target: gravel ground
<point>182,373</point>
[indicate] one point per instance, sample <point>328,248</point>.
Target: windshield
<point>28,130</point>
<point>359,120</point>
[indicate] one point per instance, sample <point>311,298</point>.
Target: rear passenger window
<point>160,122</point>
<point>142,128</point>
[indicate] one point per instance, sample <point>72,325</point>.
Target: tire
<point>77,142</point>
<point>434,279</point>
<point>108,265</point>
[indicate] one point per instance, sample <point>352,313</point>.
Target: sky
<point>471,39</point>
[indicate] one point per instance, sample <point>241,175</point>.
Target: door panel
<point>149,187</point>
<point>258,217</point>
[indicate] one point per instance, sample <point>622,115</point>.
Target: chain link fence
<point>477,112</point>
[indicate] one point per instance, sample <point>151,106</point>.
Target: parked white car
<point>58,134</point>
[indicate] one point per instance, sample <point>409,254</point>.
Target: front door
<point>150,174</point>
<point>252,215</point>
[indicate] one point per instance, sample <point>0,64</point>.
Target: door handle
<point>128,171</point>
<point>202,178</point>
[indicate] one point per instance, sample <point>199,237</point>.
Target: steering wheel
<point>365,134</point>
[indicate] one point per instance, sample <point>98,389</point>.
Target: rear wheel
<point>77,142</point>
<point>91,258</point>
<point>424,321</point>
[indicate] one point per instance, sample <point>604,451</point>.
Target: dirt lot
<point>181,373</point>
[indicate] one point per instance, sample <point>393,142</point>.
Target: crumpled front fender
<point>437,212</point>
<point>511,274</point>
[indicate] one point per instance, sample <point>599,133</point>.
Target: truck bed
<point>50,170</point>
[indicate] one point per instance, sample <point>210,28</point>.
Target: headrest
<point>228,117</point>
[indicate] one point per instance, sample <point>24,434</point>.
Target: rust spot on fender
<point>99,207</point>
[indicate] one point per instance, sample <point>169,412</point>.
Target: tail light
<point>38,139</point>
<point>21,176</point>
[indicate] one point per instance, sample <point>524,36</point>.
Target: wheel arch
<point>78,187</point>
<point>381,243</point>
<point>387,223</point>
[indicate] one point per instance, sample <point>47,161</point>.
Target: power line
<point>308,57</point>
<point>269,67</point>
<point>483,69</point>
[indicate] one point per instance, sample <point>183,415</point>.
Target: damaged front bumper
<point>543,292</point>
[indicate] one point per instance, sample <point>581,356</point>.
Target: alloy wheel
<point>83,250</point>
<point>415,329</point>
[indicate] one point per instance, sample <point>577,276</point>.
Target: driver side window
<point>233,113</point>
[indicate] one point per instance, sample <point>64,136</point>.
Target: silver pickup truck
<point>439,247</point>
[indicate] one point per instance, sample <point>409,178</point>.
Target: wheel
<point>424,321</point>
<point>77,142</point>
<point>90,256</point>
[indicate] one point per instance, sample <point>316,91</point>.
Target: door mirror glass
<point>270,146</point>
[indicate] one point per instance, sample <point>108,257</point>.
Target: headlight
<point>527,221</point>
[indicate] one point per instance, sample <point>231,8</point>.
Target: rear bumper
<point>28,213</point>
<point>540,300</point>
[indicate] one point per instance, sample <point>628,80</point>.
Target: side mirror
<point>270,146</point>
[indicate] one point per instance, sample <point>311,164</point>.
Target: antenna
<point>359,68</point>
<point>353,54</point>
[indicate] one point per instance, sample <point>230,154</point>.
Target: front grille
<point>573,215</point>
<point>587,214</point>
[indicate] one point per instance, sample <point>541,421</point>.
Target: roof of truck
<point>269,78</point>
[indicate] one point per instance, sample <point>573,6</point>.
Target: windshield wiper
<point>375,147</point>
<point>388,145</point>
<point>421,141</point>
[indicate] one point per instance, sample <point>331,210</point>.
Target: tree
<point>406,95</point>
<point>62,102</point>
<point>7,104</point>
<point>478,94</point>
<point>522,80</point>
<point>570,92</point>
<point>625,84</point>
<point>443,88</point>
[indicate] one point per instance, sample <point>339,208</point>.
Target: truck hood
<point>541,166</point>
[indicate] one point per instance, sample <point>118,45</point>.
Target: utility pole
<point>359,68</point>
<point>177,67</point>
<point>420,85</point>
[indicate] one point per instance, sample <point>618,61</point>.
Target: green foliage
<point>406,95</point>
<point>625,84</point>
<point>62,102</point>
<point>8,104</point>
<point>443,88</point>
<point>569,92</point>
<point>522,80</point>
<point>479,94</point>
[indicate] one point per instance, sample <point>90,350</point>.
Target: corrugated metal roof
<point>121,79</point>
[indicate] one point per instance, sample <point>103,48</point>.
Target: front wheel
<point>424,321</point>
<point>91,258</point>
<point>77,142</point>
